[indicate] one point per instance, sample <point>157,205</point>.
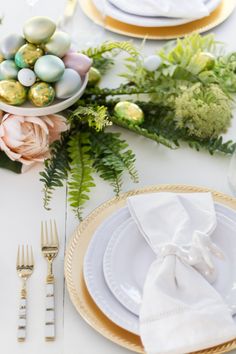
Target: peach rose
<point>27,139</point>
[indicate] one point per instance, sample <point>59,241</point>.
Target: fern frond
<point>112,157</point>
<point>109,46</point>
<point>81,180</point>
<point>213,145</point>
<point>55,169</point>
<point>146,132</point>
<point>95,116</point>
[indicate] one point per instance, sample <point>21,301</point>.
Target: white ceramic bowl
<point>28,109</point>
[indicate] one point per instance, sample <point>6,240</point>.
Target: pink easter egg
<point>78,62</point>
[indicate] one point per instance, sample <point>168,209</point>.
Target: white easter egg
<point>26,77</point>
<point>152,62</point>
<point>8,70</point>
<point>58,44</point>
<point>10,45</point>
<point>68,85</point>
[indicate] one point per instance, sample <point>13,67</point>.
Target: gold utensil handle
<point>21,329</point>
<point>50,334</point>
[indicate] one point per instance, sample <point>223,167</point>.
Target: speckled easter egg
<point>27,55</point>
<point>68,85</point>
<point>58,44</point>
<point>10,45</point>
<point>130,112</point>
<point>26,77</point>
<point>39,29</point>
<point>8,70</point>
<point>152,62</point>
<point>49,68</point>
<point>77,61</point>
<point>41,94</point>
<point>12,92</point>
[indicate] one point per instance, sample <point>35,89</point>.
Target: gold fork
<point>24,267</point>
<point>50,248</point>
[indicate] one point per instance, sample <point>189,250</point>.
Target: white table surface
<point>21,206</point>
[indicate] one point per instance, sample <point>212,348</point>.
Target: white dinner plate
<point>28,109</point>
<point>128,258</point>
<point>106,7</point>
<point>94,273</point>
<point>94,277</point>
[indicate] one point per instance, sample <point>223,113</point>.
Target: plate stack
<point>157,19</point>
<point>107,263</point>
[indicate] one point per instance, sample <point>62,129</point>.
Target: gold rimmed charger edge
<point>218,16</point>
<point>74,267</point>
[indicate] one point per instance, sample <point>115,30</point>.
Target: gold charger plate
<point>218,16</point>
<point>74,267</point>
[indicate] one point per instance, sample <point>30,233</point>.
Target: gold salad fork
<point>24,267</point>
<point>50,248</point>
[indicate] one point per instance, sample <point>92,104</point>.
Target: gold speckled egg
<point>27,55</point>
<point>12,92</point>
<point>41,94</point>
<point>129,112</point>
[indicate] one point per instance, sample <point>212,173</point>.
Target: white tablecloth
<point>21,208</point>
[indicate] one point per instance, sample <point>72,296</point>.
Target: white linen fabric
<point>192,9</point>
<point>181,312</point>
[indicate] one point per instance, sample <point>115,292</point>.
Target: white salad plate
<point>125,273</point>
<point>108,9</point>
<point>28,109</point>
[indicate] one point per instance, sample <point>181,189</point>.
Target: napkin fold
<point>181,312</point>
<point>189,9</point>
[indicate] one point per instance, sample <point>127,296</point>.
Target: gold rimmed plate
<point>74,267</point>
<point>222,12</point>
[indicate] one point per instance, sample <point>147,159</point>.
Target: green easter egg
<point>129,112</point>
<point>12,92</point>
<point>94,76</point>
<point>49,68</point>
<point>8,70</point>
<point>41,94</point>
<point>39,29</point>
<point>27,55</point>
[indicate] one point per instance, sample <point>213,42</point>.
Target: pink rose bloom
<point>27,139</point>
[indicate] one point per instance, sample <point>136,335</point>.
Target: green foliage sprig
<point>183,80</point>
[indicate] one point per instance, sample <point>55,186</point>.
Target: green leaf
<point>112,158</point>
<point>8,164</point>
<point>55,169</point>
<point>96,116</point>
<point>81,180</point>
<point>110,46</point>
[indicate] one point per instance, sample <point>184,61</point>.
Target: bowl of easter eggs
<point>39,72</point>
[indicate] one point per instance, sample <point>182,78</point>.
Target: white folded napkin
<point>192,9</point>
<point>181,312</point>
